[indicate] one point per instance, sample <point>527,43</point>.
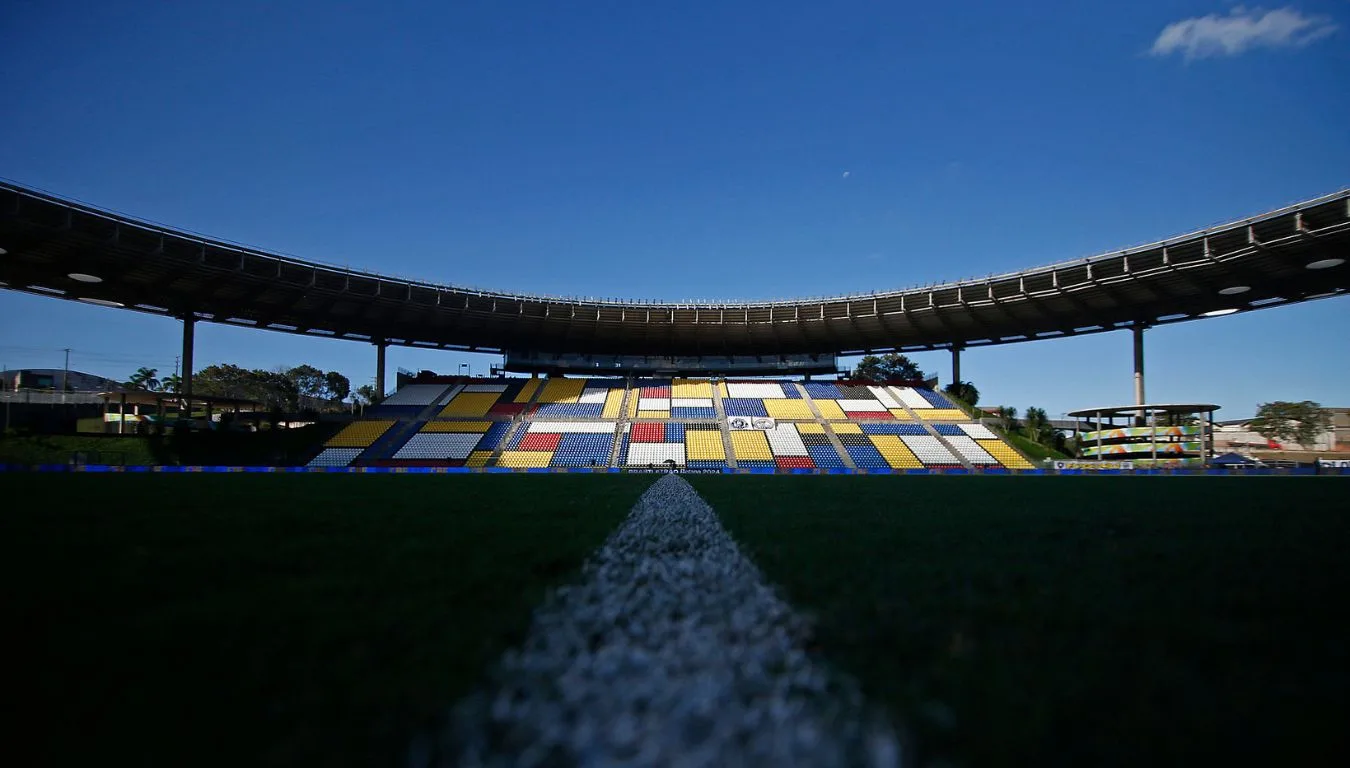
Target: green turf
<point>273,619</point>
<point>1073,620</point>
<point>280,447</point>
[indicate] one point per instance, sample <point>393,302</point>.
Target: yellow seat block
<point>942,414</point>
<point>632,407</point>
<point>895,452</point>
<point>750,445</point>
<point>562,391</point>
<point>811,428</point>
<point>524,459</point>
<point>470,404</point>
<point>526,392</point>
<point>704,445</point>
<point>613,404</point>
<point>478,459</point>
<point>788,409</point>
<point>830,410</point>
<point>359,434</point>
<point>901,414</point>
<point>456,426</point>
<point>846,429</point>
<point>722,389</point>
<point>691,388</point>
<point>1005,454</point>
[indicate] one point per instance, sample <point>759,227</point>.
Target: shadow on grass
<point>1075,620</point>
<point>274,619</point>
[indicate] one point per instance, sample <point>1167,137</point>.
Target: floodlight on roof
<point>1325,263</point>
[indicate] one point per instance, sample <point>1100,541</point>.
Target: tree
<point>337,386</point>
<point>144,379</point>
<point>891,367</point>
<point>1007,418</point>
<point>171,383</point>
<point>963,391</point>
<point>1285,421</point>
<point>307,380</point>
<point>1039,428</point>
<point>366,394</point>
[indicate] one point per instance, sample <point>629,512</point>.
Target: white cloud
<point>1240,30</point>
<point>847,174</point>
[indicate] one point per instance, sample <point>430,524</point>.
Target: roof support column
<point>185,383</point>
<point>380,346</point>
<point>1138,331</point>
<point>956,363</point>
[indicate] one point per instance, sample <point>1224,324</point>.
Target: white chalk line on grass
<point>672,649</point>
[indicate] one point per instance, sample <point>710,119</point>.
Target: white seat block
<point>785,441</point>
<point>485,388</point>
<point>756,391</point>
<point>642,454</point>
<point>861,406</point>
<point>929,449</point>
<point>416,394</point>
<point>335,457</point>
<point>552,427</point>
<point>691,402</point>
<point>909,397</point>
<point>972,450</point>
<point>653,403</point>
<point>439,445</point>
<point>978,431</point>
<point>884,397</point>
<point>593,395</point>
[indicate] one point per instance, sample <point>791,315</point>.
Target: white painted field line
<point>671,650</point>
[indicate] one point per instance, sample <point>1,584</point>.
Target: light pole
<point>465,369</point>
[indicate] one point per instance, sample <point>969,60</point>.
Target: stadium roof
<point>64,249</point>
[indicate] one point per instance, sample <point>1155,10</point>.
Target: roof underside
<point>153,269</point>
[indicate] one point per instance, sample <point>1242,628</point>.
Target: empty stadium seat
<point>335,457</point>
<point>750,445</point>
<point>1005,454</point>
<point>971,451</point>
<point>930,451</point>
<point>416,394</point>
<point>359,434</point>
<point>439,445</point>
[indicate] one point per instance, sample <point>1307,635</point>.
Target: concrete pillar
<point>956,364</point>
<point>1138,332</point>
<point>380,346</point>
<point>122,415</point>
<point>185,387</point>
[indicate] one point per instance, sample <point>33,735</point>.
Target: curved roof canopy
<point>68,250</point>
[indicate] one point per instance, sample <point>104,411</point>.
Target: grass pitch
<point>273,619</point>
<point>1073,620</point>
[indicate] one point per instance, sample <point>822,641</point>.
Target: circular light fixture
<point>83,278</point>
<point>1234,290</point>
<point>3,251</point>
<point>1325,263</point>
<point>1218,312</point>
<point>103,302</point>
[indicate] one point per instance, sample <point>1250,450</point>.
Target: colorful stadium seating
<point>565,422</point>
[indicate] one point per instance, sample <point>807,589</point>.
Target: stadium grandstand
<point>689,424</point>
<point>614,395</point>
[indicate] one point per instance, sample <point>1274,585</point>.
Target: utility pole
<point>65,377</point>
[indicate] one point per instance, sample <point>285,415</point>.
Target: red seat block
<point>539,441</point>
<point>648,432</point>
<point>795,462</point>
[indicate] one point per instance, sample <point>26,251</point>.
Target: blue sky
<point>692,150</point>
